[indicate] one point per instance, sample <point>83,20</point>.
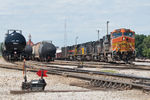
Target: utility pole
<point>76,44</point>
<point>65,37</point>
<point>98,38</point>
<point>107,27</point>
<point>98,34</point>
<point>76,40</point>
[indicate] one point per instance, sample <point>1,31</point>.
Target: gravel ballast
<point>12,79</point>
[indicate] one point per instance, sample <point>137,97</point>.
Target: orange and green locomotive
<point>119,45</point>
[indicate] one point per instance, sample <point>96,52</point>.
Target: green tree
<point>146,47</point>
<point>139,44</point>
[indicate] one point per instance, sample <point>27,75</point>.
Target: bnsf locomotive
<point>13,45</point>
<point>117,46</point>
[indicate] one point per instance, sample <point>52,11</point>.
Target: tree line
<point>142,45</point>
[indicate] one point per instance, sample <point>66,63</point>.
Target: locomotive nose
<point>126,39</point>
<point>125,45</point>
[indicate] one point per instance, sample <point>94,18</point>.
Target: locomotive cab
<point>123,44</point>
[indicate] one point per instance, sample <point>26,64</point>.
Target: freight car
<point>117,46</point>
<point>28,52</point>
<point>43,51</point>
<point>58,54</point>
<point>13,45</point>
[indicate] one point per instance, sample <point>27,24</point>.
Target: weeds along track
<point>96,79</point>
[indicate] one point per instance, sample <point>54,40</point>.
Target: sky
<point>45,19</point>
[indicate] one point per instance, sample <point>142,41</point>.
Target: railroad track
<point>95,79</point>
<point>46,91</point>
<point>142,60</point>
<point>102,65</point>
<point>96,65</point>
<point>79,70</point>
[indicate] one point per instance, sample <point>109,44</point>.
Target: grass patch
<point>109,71</point>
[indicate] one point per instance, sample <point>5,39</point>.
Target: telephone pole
<point>107,27</point>
<point>65,37</point>
<point>98,34</point>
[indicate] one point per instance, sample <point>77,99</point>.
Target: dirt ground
<point>12,79</point>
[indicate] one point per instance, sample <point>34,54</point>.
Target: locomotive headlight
<point>123,38</point>
<point>15,52</point>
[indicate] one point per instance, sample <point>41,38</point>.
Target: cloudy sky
<point>44,19</point>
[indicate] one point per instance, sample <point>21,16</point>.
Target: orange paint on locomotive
<point>123,40</point>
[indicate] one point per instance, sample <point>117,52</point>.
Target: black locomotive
<point>119,45</point>
<point>13,45</point>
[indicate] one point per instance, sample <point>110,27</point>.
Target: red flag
<point>39,73</point>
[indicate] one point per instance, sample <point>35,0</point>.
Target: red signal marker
<point>39,73</point>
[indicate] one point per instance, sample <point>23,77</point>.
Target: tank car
<point>44,51</point>
<point>28,52</point>
<point>13,45</point>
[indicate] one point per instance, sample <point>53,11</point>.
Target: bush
<point>142,45</point>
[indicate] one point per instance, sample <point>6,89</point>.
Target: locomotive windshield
<point>128,34</point>
<point>115,35</point>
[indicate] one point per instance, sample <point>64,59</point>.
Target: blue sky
<point>44,19</point>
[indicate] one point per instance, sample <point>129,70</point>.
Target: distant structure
<point>29,41</point>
